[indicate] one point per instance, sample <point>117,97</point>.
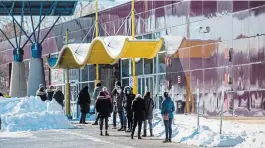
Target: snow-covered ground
<point>30,113</point>
<point>233,134</point>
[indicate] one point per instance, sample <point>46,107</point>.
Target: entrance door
<point>73,100</point>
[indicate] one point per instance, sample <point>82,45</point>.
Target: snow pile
<point>184,130</point>
<point>30,113</point>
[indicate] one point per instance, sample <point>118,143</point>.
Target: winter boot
<point>121,129</point>
<point>131,136</point>
<point>169,140</point>
<point>151,133</point>
<point>129,130</point>
<point>95,123</point>
<point>114,127</point>
<point>144,135</point>
<point>139,137</point>
<point>165,141</point>
<point>101,134</point>
<point>106,133</point>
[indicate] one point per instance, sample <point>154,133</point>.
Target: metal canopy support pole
<point>38,25</point>
<point>22,14</point>
<point>67,86</point>
<point>50,29</point>
<point>15,21</point>
<point>133,60</point>
<point>96,26</point>
<point>7,39</point>
<point>32,23</point>
<point>41,7</point>
<point>15,32</point>
<point>36,70</point>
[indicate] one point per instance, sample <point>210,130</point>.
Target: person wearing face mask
<point>114,96</point>
<point>119,97</point>
<point>108,95</point>
<point>127,103</point>
<point>95,95</point>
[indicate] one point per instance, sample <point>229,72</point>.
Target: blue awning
<point>63,8</point>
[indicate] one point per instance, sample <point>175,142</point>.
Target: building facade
<point>228,55</point>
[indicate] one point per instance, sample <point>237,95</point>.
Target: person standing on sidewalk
<point>108,95</point>
<point>95,96</point>
<point>127,105</point>
<point>119,97</point>
<point>138,108</point>
<point>103,107</point>
<point>167,111</point>
<point>149,106</point>
<point>114,95</point>
<point>84,102</point>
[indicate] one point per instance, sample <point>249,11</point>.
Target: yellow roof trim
<point>104,50</point>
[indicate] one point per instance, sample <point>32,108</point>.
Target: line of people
<point>132,110</point>
<point>50,94</point>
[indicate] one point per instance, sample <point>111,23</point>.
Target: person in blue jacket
<point>167,112</point>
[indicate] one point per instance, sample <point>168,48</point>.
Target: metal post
<point>96,26</point>
<point>51,30</point>
<point>198,109</point>
<point>133,60</point>
<point>22,15</point>
<point>32,23</point>
<point>67,86</point>
<point>67,94</point>
<point>41,6</point>
<point>222,108</point>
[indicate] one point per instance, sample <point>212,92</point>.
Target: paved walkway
<point>86,136</point>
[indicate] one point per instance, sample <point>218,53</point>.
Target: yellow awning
<point>104,50</point>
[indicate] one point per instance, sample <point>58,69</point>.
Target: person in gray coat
<point>96,92</point>
<point>149,106</point>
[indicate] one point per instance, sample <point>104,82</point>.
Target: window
<point>91,72</point>
<point>125,67</point>
<point>161,63</point>
<point>148,66</point>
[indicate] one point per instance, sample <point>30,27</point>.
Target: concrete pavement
<point>85,136</point>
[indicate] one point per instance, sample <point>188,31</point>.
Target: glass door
<point>145,84</point>
<point>73,100</point>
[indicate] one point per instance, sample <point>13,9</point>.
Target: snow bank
<point>184,130</point>
<point>30,113</point>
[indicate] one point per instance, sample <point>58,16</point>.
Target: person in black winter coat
<point>149,107</point>
<point>117,95</point>
<point>41,93</point>
<point>59,96</point>
<point>127,105</point>
<point>84,102</point>
<point>138,108</point>
<point>103,107</point>
<point>50,93</point>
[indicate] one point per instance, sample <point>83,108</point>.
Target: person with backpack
<point>138,108</point>
<point>103,107</point>
<point>84,102</point>
<point>149,105</point>
<point>167,112</point>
